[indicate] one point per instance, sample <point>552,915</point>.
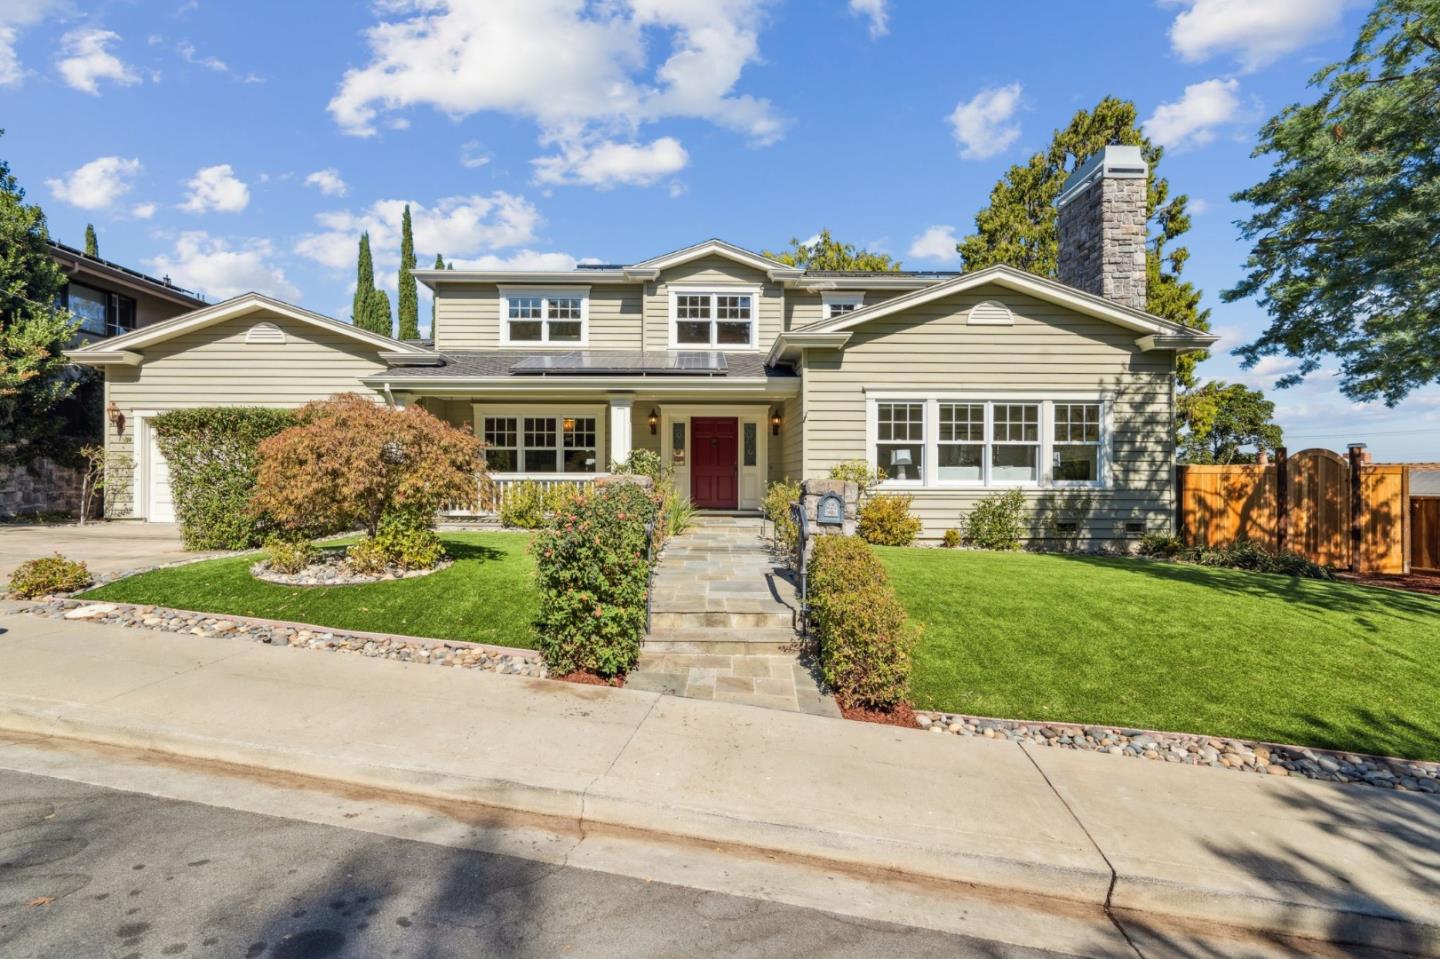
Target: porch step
<point>719,619</point>
<point>735,641</point>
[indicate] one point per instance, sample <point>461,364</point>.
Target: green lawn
<point>1165,646</point>
<point>487,596</point>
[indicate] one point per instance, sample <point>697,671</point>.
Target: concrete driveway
<point>104,547</point>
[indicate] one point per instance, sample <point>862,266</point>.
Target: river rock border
<point>330,570</point>
<point>410,649</point>
<point>1241,755</point>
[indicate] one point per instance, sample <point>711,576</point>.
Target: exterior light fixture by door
<point>774,422</point>
<point>116,418</point>
<point>654,420</point>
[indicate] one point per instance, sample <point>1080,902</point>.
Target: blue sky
<point>245,145</point>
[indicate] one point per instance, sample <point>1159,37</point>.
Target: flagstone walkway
<point>723,622</point>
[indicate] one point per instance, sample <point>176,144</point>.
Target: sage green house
<point>739,370</point>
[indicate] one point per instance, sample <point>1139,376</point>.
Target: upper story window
<point>544,317</point>
<point>838,304</point>
<point>713,319</point>
<point>99,312</point>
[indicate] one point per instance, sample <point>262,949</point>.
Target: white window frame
<point>854,300</point>
<point>545,294</point>
<point>519,412</point>
<point>713,291</point>
<point>927,422</point>
<point>1046,400</point>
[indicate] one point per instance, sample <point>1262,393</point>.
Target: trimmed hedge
<point>212,454</point>
<point>864,640</point>
<point>593,578</point>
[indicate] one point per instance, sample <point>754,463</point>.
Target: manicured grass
<point>487,596</point>
<point>1171,647</point>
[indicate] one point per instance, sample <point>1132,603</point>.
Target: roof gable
<point>716,247</point>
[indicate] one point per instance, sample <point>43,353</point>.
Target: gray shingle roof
<point>493,363</point>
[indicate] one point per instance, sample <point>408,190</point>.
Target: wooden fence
<point>1346,513</point>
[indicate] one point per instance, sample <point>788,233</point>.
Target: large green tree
<point>33,329</point>
<point>1018,225</point>
<point>409,299</point>
<point>1217,419</point>
<point>827,253</point>
<point>1346,228</point>
<point>378,318</point>
<point>364,282</point>
<point>92,243</point>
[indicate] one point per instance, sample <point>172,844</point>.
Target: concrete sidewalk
<point>1279,855</point>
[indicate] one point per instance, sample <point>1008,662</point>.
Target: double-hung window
<point>1015,443</point>
<point>713,319</point>
<point>900,432</point>
<point>541,444</point>
<point>542,318</point>
<point>1076,452</point>
<point>962,442</point>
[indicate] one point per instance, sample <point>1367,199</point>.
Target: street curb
<point>593,807</point>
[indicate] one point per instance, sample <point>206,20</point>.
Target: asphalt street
<point>90,871</point>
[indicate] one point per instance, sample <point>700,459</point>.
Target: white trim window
<point>541,443</point>
<point>838,304</point>
<point>544,317</point>
<point>959,440</point>
<point>714,319</point>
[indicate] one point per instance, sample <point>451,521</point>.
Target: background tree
<point>33,330</point>
<point>1018,226</point>
<point>364,282</point>
<point>1346,228</point>
<point>1215,420</point>
<point>378,318</point>
<point>434,300</point>
<point>92,244</point>
<point>409,304</point>
<point>827,253</point>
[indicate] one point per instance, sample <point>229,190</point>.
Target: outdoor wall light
<point>654,420</point>
<point>116,418</point>
<point>774,422</point>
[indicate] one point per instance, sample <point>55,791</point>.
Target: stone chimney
<point>1101,226</point>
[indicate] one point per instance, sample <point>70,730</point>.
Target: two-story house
<point>740,370</point>
<point>111,300</point>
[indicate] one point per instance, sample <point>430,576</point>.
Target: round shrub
<point>994,522</point>
<point>951,539</point>
<point>864,641</point>
<point>409,543</point>
<point>885,520</point>
<point>288,555</point>
<point>367,558</point>
<point>593,577</point>
<point>48,575</point>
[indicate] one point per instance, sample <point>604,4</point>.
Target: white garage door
<point>160,507</point>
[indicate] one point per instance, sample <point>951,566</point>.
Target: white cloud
<point>1192,119</point>
<point>143,211</point>
<point>982,124</point>
<point>214,267</point>
<point>216,188</point>
<point>97,184</point>
<point>1197,206</point>
<point>874,11</point>
<point>85,61</point>
<point>11,72</point>
<point>465,58</point>
<point>607,163</point>
<point>15,15</point>
<point>473,156</point>
<point>188,54</point>
<point>1256,33</point>
<point>519,260</point>
<point>328,182</point>
<point>458,226</point>
<point>936,243</point>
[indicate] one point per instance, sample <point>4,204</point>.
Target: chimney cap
<point>1115,162</point>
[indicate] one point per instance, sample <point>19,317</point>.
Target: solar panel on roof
<point>601,362</point>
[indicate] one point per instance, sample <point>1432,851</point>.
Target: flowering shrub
<point>863,638</point>
<point>885,520</point>
<point>48,575</point>
<point>593,576</point>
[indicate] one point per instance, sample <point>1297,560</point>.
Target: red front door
<point>714,469</point>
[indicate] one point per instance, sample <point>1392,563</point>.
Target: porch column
<point>621,437</point>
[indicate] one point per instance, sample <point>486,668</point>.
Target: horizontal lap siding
<point>1048,348</point>
<point>468,317</point>
<point>802,309</point>
<point>719,272</point>
<point>216,367</point>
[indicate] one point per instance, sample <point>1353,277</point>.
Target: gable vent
<point>991,313</point>
<point>265,333</point>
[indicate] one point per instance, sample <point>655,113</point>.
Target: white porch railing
<point>490,500</point>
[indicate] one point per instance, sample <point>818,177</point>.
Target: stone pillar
<point>621,438</point>
<point>811,492</point>
<point>1101,226</point>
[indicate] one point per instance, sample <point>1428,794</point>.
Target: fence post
<point>1282,497</point>
<point>1357,501</point>
<point>1180,530</point>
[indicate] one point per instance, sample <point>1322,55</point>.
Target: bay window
<point>712,319</point>
<point>957,441</point>
<point>533,317</point>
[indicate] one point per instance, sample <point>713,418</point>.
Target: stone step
<point>668,619</point>
<point>739,641</point>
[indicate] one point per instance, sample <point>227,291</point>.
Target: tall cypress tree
<point>409,301</point>
<point>92,245</point>
<point>377,313</point>
<point>364,284</point>
<point>439,265</point>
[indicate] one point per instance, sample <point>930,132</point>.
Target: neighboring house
<point>111,300</point>
<point>740,370</point>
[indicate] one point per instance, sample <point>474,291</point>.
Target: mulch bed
<point>1412,582</point>
<point>590,679</point>
<point>902,715</point>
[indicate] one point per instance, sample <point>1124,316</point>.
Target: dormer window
<point>713,318</point>
<point>544,317</point>
<point>838,304</point>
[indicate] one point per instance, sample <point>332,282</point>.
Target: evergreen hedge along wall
<point>212,453</point>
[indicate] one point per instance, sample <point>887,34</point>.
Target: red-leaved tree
<point>351,461</point>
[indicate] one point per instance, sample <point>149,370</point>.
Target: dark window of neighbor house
<point>99,312</point>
